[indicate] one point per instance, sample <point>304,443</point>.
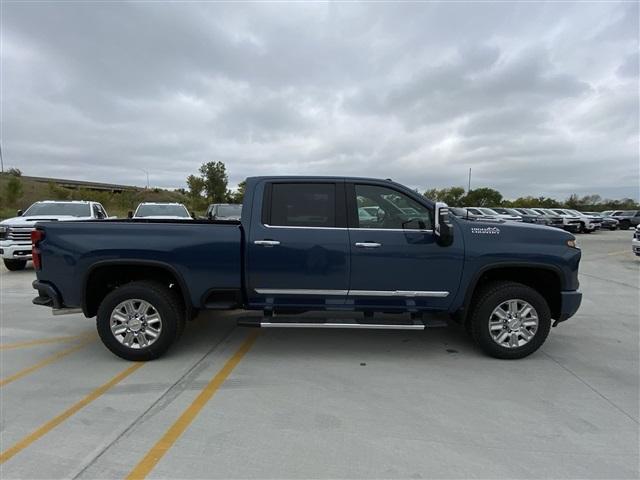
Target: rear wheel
<point>625,225</point>
<point>509,320</point>
<point>15,265</point>
<point>140,320</point>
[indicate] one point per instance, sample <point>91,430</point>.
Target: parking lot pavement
<point>327,403</point>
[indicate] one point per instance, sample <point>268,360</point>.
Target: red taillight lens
<point>36,237</point>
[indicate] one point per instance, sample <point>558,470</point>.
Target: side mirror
<point>193,215</point>
<point>20,212</point>
<point>442,228</point>
<point>130,214</point>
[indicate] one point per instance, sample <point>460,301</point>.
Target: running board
<point>369,326</point>
<point>269,323</point>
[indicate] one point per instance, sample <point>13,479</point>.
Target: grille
<point>20,234</point>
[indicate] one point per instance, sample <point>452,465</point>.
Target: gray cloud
<point>536,98</point>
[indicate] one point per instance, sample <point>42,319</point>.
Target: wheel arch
<point>104,276</point>
<point>545,279</point>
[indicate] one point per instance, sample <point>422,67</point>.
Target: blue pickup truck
<point>364,246</point>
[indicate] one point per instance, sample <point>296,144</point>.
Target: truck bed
<point>205,255</point>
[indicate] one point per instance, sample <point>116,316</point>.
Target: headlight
<point>573,243</point>
<point>3,232</point>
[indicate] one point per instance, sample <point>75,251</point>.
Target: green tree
<point>215,179</point>
<point>238,195</point>
<point>482,197</point>
<point>452,196</point>
<point>196,186</point>
<point>13,191</point>
<point>16,172</point>
<point>573,202</point>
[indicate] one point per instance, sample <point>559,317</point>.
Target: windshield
<point>59,209</point>
<point>528,211</point>
<point>162,210</point>
<point>229,210</point>
<point>504,211</point>
<point>626,213</point>
<point>488,211</point>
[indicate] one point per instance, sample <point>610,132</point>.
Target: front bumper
<point>569,303</point>
<point>15,251</point>
<point>635,246</point>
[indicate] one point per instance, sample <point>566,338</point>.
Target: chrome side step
<point>369,326</point>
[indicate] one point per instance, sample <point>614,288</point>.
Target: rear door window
<point>302,205</point>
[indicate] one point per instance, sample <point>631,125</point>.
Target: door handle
<point>367,245</point>
<point>266,243</point>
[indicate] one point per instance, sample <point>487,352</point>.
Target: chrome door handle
<point>367,245</point>
<point>266,243</point>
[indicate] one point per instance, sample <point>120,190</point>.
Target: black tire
<point>489,298</point>
<point>164,300</point>
<point>14,265</point>
<point>625,225</point>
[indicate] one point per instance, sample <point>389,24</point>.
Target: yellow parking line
<point>43,363</point>
<point>43,341</point>
<point>153,456</point>
<point>51,424</point>
<point>619,253</point>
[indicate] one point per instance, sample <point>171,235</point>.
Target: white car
<point>589,223</point>
<point>493,213</point>
<point>635,243</point>
<point>15,233</point>
<point>161,210</point>
<point>571,222</point>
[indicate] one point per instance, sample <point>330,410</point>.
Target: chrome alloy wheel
<point>513,323</point>
<point>135,323</point>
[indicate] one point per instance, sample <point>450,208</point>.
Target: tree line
<point>211,185</point>
<point>489,197</point>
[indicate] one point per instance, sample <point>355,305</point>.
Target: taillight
<point>36,237</point>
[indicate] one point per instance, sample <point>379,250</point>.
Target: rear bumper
<point>635,246</point>
<point>48,296</point>
<point>15,251</point>
<point>569,303</point>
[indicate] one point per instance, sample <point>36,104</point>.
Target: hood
<point>525,232</point>
<point>28,221</point>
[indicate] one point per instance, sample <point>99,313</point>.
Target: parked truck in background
<point>160,210</point>
<point>224,211</point>
<point>627,218</point>
<point>15,233</point>
<point>301,246</point>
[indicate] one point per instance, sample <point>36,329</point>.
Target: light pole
<point>147,172</point>
<point>1,160</point>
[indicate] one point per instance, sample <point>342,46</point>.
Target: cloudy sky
<point>537,98</point>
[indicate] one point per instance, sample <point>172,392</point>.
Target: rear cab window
<point>302,205</point>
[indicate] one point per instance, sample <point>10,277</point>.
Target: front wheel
<point>509,320</point>
<point>140,320</point>
<point>625,225</point>
<point>15,265</point>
